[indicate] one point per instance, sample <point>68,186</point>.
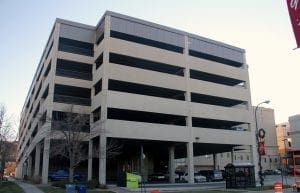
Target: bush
<point>93,184</point>
<point>35,179</point>
<point>103,186</point>
<point>61,184</point>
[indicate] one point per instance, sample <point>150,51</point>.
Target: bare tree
<point>72,133</point>
<point>6,134</point>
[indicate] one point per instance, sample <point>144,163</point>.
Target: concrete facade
<point>242,154</point>
<point>141,83</point>
<point>294,122</point>
<point>283,138</point>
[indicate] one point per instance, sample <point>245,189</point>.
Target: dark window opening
<point>148,42</point>
<point>65,120</point>
<point>97,114</point>
<point>45,94</point>
<point>215,58</point>
<point>43,118</point>
<point>76,47</point>
<point>47,70</point>
<point>148,117</point>
<point>214,78</point>
<point>213,100</point>
<point>72,95</point>
<point>135,88</point>
<point>29,126</point>
<point>31,108</point>
<point>32,91</point>
<point>35,130</point>
<point>74,69</point>
<point>49,50</point>
<point>27,105</point>
<point>100,38</point>
<point>98,87</point>
<point>38,91</point>
<point>36,111</point>
<point>99,61</point>
<point>214,123</point>
<point>145,64</point>
<point>40,72</point>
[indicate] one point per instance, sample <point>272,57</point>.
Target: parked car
<point>197,178</point>
<point>268,172</point>
<point>212,175</point>
<point>63,175</point>
<point>157,177</point>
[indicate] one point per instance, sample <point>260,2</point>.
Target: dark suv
<point>212,175</point>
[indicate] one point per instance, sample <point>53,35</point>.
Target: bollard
<point>154,191</point>
<point>278,187</point>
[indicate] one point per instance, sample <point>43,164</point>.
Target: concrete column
<point>190,161</point>
<point>232,155</point>
<point>24,169</point>
<point>29,166</point>
<point>37,159</point>
<point>254,159</point>
<point>102,159</point>
<point>90,161</point>
<point>215,159</point>
<point>171,164</point>
<point>46,153</point>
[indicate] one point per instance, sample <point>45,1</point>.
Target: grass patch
<point>9,187</point>
<point>267,188</point>
<point>210,191</point>
<point>52,189</point>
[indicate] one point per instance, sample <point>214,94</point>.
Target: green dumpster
<point>132,180</point>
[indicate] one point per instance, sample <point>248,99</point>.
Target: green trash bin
<point>81,188</point>
<point>132,180</point>
<point>70,188</point>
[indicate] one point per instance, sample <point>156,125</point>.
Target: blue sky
<point>262,28</point>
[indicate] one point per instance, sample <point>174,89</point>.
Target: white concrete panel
<point>218,68</point>
<point>76,33</point>
<point>98,49</point>
<point>75,57</point>
<point>147,77</point>
<point>96,100</point>
<point>216,49</point>
<point>146,31</point>
<point>146,103</point>
<point>146,52</point>
<point>73,82</point>
<point>208,88</point>
<point>139,130</point>
<point>221,113</point>
<point>71,107</point>
<point>220,136</point>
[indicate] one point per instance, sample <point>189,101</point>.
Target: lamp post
<point>257,142</point>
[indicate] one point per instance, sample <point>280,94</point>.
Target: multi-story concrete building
<point>146,85</point>
<point>242,154</point>
<point>294,122</point>
<point>283,137</point>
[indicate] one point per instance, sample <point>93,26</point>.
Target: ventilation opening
<point>215,58</point>
<point>74,69</point>
<point>72,95</point>
<point>215,78</point>
<point>142,116</point>
<point>135,88</point>
<point>215,124</point>
<point>145,64</point>
<point>213,100</point>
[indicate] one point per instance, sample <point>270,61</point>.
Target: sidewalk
<point>28,188</point>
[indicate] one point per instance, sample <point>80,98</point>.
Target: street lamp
<point>257,142</point>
